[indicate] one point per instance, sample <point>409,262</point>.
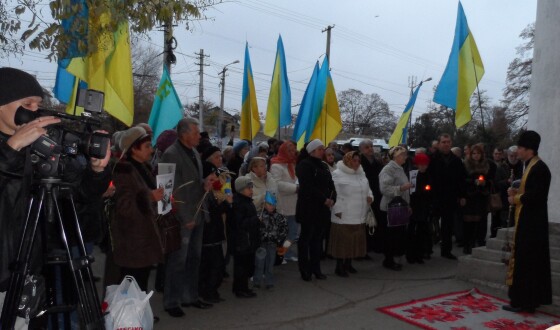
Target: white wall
<point>544,114</point>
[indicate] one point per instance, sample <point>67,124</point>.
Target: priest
<point>529,277</point>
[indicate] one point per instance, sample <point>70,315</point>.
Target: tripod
<point>88,305</point>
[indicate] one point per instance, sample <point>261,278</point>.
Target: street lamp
<point>221,115</point>
<point>412,86</point>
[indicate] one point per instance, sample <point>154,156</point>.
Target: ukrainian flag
<point>401,131</point>
<point>329,123</point>
<point>305,109</point>
<point>462,74</point>
<point>250,121</point>
<point>279,110</point>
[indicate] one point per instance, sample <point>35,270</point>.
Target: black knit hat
<point>209,151</point>
<point>208,168</point>
<point>529,140</point>
<point>16,85</point>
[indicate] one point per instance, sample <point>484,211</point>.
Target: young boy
<point>212,257</point>
<point>273,231</point>
<point>243,224</point>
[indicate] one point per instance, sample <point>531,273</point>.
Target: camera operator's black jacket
<point>87,184</point>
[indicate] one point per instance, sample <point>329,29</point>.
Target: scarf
<point>284,157</point>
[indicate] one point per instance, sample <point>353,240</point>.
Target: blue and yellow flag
<point>462,74</point>
<point>305,109</point>
<point>167,109</point>
<point>250,120</point>
<point>400,135</point>
<point>329,123</point>
<point>279,110</point>
<point>318,98</point>
<point>109,70</point>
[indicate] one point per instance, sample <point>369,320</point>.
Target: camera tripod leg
<point>88,304</point>
<point>21,264</point>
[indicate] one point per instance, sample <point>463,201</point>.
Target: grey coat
<point>188,197</point>
<point>391,178</point>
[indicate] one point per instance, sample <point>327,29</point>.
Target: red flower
<point>434,313</point>
<point>507,324</point>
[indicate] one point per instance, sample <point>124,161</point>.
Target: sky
<point>376,46</point>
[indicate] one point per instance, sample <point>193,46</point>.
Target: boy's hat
<point>269,198</point>
<point>242,183</point>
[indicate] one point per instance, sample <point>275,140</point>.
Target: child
<point>212,257</point>
<point>273,230</point>
<point>419,236</point>
<point>243,224</point>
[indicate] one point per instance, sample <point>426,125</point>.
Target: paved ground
<point>336,303</point>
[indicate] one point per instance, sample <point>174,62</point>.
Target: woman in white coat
<point>348,234</point>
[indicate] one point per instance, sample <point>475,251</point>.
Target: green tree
<point>45,32</point>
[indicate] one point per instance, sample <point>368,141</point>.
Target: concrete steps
<point>484,266</point>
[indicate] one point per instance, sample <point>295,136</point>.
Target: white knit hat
<point>314,145</point>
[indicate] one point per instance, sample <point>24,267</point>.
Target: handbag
<point>398,213</point>
<point>169,232</point>
<point>370,221</point>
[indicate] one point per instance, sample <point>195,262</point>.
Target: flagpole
<point>479,99</point>
<point>78,80</point>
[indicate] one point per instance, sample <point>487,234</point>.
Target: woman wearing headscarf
<point>283,170</point>
<point>240,148</point>
<point>477,187</point>
<point>329,158</point>
<point>348,235</point>
<point>393,182</point>
<point>260,150</point>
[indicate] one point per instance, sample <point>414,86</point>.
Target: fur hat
<point>208,168</point>
<point>130,136</point>
<point>209,152</point>
<point>529,140</point>
<point>242,182</point>
<point>16,85</point>
<point>166,139</point>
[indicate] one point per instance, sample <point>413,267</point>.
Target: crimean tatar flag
<point>462,74</point>
<point>279,110</point>
<point>250,121</point>
<point>401,131</point>
<point>167,109</point>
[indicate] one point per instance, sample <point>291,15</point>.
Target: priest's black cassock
<point>529,277</point>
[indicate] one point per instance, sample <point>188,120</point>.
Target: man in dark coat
<point>372,167</point>
<point>529,277</point>
<point>316,196</point>
<point>448,174</point>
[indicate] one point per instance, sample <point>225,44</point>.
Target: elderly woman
<point>348,235</point>
<point>260,150</point>
<point>135,237</point>
<point>393,182</point>
<point>283,170</point>
<point>329,158</point>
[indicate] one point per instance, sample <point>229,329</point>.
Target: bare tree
<point>146,71</point>
<point>518,84</point>
<point>365,114</point>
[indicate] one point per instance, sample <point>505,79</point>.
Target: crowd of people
<point>260,204</point>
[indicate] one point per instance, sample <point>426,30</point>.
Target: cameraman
<point>19,91</point>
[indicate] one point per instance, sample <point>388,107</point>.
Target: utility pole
<point>223,84</point>
<point>169,44</point>
<point>411,83</point>
<point>201,88</point>
<point>328,30</point>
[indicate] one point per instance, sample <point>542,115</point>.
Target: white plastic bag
<point>128,306</point>
<point>21,324</point>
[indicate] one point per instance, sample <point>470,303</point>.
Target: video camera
<point>74,135</point>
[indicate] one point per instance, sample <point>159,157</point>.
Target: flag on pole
<point>250,121</point>
<point>462,74</point>
<point>279,110</point>
<point>318,99</point>
<point>167,109</point>
<point>400,135</point>
<point>305,109</point>
<point>109,69</point>
<point>329,122</point>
